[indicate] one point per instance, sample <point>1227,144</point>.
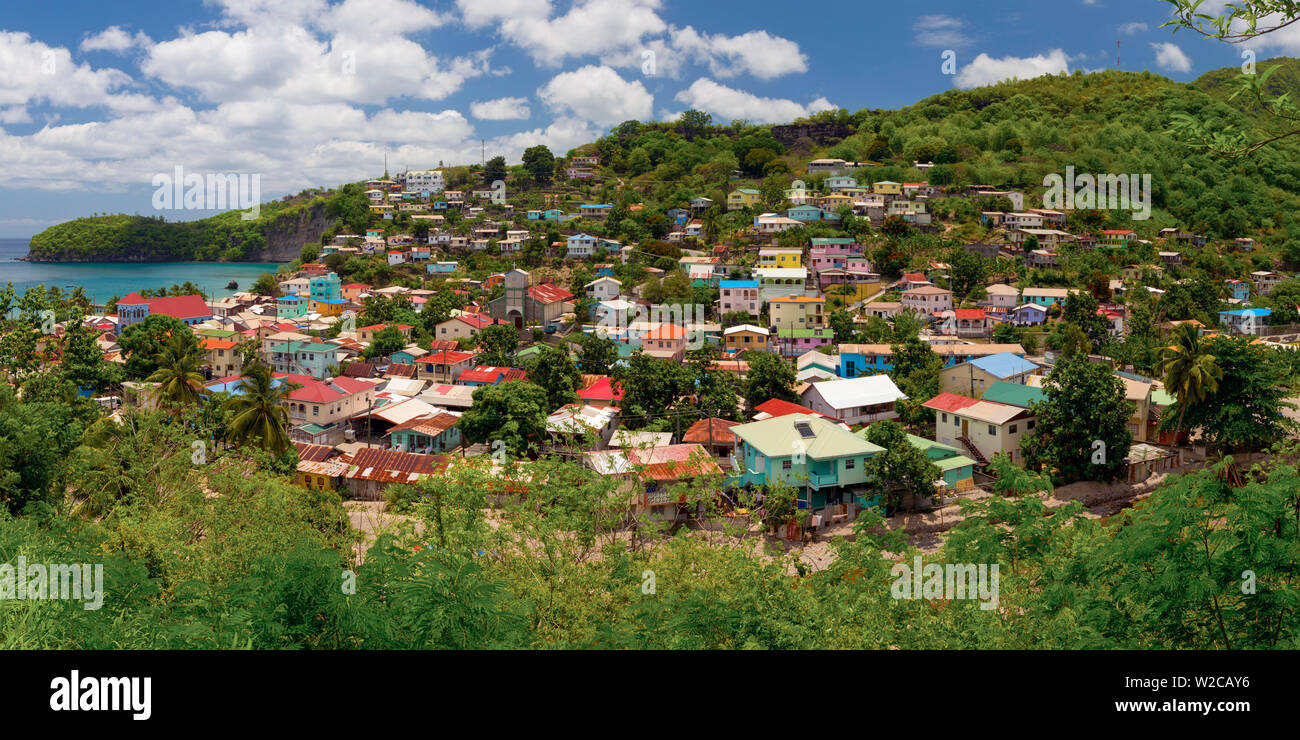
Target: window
<point>1029,425</point>
<point>786,465</point>
<point>945,417</point>
<point>315,410</point>
<point>848,464</point>
<point>1012,429</point>
<point>993,431</point>
<point>956,421</point>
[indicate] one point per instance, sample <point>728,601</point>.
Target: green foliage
<point>1085,405</point>
<point>769,377</point>
<point>513,412</point>
<point>1244,409</point>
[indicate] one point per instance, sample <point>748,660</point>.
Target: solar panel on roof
<point>804,429</point>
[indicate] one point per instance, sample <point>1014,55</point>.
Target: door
<point>965,429</point>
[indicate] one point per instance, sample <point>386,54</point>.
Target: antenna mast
<point>1118,50</point>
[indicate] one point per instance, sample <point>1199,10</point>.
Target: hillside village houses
<point>773,286</point>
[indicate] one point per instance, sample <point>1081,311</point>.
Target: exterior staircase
<point>975,454</point>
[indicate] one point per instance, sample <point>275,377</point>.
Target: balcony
<point>823,480</point>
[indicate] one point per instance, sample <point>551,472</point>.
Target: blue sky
<point>98,97</point>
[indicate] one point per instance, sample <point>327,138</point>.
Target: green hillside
<point>277,234</point>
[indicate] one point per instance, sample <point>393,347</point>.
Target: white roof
<point>781,272</point>
<point>586,418</point>
<point>868,391</point>
<point>745,327</point>
<point>403,411</point>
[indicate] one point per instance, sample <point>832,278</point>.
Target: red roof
<point>478,320</point>
<point>705,430</point>
<point>317,391</point>
<point>1116,232</point>
<point>549,293</point>
<point>210,343</point>
<point>448,356</point>
<point>482,374</point>
<point>950,402</point>
<point>179,306</point>
<point>776,407</point>
<point>602,390</point>
<point>969,313</point>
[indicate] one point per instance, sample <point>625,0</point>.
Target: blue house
<point>805,213</point>
<point>812,453</point>
<point>1239,289</point>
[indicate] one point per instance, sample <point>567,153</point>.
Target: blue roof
<point>581,236</point>
<point>1260,312</point>
<point>1003,364</point>
<point>596,205</point>
<point>738,283</point>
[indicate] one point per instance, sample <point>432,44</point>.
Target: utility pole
<point>1118,50</point>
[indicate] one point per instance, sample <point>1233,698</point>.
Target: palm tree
<point>1189,372</point>
<point>257,414</point>
<point>180,383</point>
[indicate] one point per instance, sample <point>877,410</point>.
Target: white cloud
<point>757,53</point>
<point>1128,29</point>
<point>1171,58</point>
<point>591,27</point>
<point>35,72</point>
<point>942,31</point>
<point>308,51</point>
<point>986,70</point>
<point>16,114</point>
<point>114,38</point>
<point>501,109</point>
<point>599,95</point>
<point>730,104</point>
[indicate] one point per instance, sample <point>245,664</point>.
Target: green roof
<point>1162,397</point>
<point>312,428</point>
<point>778,437</point>
<point>1015,394</point>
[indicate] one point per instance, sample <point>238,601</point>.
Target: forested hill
<point>1008,135</point>
<point>278,234</point>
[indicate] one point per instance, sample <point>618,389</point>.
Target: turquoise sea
<point>104,280</point>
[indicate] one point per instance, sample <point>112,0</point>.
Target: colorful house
<point>820,457</point>
<point>743,198</point>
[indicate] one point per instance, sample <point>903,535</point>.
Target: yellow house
<point>797,312</point>
<point>780,258</point>
<point>328,307</point>
<point>834,201</point>
<point>745,337</point>
<point>321,475</point>
<point>742,198</point>
<point>887,187</point>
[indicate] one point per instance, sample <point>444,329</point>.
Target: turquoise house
<point>426,435</point>
<point>312,358</point>
<point>812,453</point>
<point>291,306</point>
<point>325,287</point>
<point>958,470</point>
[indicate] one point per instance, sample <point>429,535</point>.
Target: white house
<point>581,246</point>
<point>855,401</point>
<point>604,288</point>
